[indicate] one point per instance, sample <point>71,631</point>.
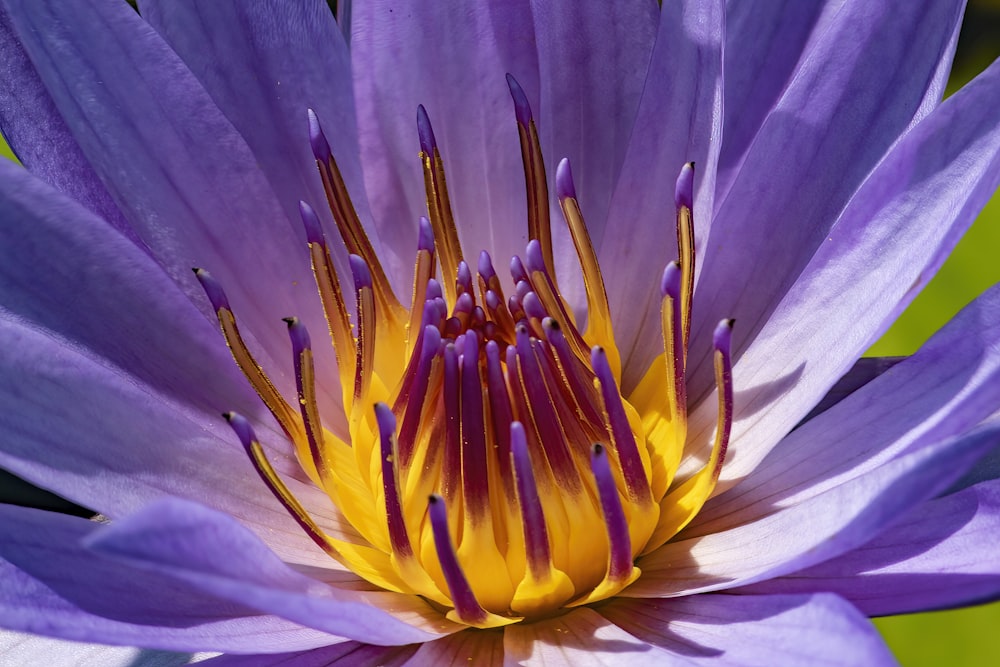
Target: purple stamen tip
<point>722,336</point>
<point>464,273</point>
<point>564,181</point>
<point>242,428</point>
<point>486,266</point>
<point>434,290</point>
<point>684,190</point>
<point>522,110</point>
<point>533,306</point>
<point>298,334</point>
<point>517,271</point>
<point>213,290</point>
<point>534,259</point>
<point>425,132</point>
<point>317,139</point>
<point>670,284</point>
<point>464,303</point>
<point>599,360</point>
<point>385,419</point>
<point>359,270</point>
<point>425,240</point>
<point>314,231</point>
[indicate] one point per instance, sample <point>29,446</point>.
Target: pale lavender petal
<point>834,122</point>
<point>347,654</point>
<point>182,175</point>
<point>213,553</point>
<point>947,388</point>
<point>812,530</point>
<point>941,554</point>
<point>25,649</point>
<point>472,647</point>
<point>908,214</point>
<point>755,630</point>
<point>38,136</point>
<point>114,444</point>
<point>66,270</point>
<point>679,120</point>
<point>52,586</point>
<point>454,63</point>
<point>264,63</point>
<point>581,638</point>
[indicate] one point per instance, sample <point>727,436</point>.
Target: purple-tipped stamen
<point>314,230</point>
<point>466,605</point>
<point>621,431</point>
<point>425,237</point>
<point>670,283</point>
<point>620,544</point>
<point>434,290</point>
<point>684,189</point>
<point>564,181</point>
<point>536,536</point>
<point>213,290</point>
<point>451,469</point>
<point>425,132</point>
<point>360,272</point>
<point>463,280</point>
<point>430,348</point>
<point>475,477</point>
<point>533,307</point>
<point>522,110</point>
<point>398,536</point>
<point>722,342</point>
<point>317,139</point>
<point>500,410</point>
<point>517,272</point>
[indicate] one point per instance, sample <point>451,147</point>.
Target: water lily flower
<point>527,229</point>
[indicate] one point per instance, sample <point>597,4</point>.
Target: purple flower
<point>581,459</point>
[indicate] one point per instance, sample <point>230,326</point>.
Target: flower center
<point>491,464</point>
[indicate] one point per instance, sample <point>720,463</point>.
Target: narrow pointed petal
<point>831,126</point>
<point>755,630</point>
<point>947,388</point>
<point>942,554</point>
<point>263,72</point>
<point>54,586</point>
<point>211,552</point>
<point>678,121</point>
<point>180,172</point>
<point>102,414</point>
<point>814,529</point>
<point>906,218</point>
<point>39,137</point>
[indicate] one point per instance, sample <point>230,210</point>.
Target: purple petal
<point>38,136</point>
<point>592,65</point>
<point>103,439</point>
<point>264,63</point>
<point>909,213</point>
<point>582,638</point>
<point>947,388</point>
<point>941,554</point>
<point>678,121</point>
<point>833,123</point>
<point>757,630</point>
<point>25,649</point>
<point>182,175</point>
<point>213,553</point>
<point>814,529</point>
<point>347,654</point>
<point>53,586</point>
<point>67,271</point>
<point>454,64</point>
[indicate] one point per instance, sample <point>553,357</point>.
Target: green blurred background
<point>962,637</point>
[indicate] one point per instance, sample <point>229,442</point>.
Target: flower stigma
<point>491,464</point>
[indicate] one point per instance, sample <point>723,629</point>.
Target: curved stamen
<point>423,271</point>
<point>279,407</point>
<point>620,544</point>
<point>722,358</point>
<point>305,383</point>
<point>438,204</point>
<point>364,295</point>
<point>633,467</point>
<point>413,414</point>
<point>671,321</point>
<point>536,537</point>
<point>389,450</point>
<point>684,200</point>
<point>535,184</point>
